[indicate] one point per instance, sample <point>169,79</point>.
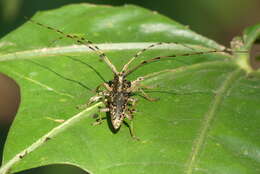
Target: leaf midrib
<point>52,51</point>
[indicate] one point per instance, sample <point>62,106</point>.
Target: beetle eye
<point>128,83</point>
<point>110,83</point>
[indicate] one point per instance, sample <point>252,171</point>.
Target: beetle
<point>117,94</point>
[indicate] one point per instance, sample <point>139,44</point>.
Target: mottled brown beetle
<point>118,93</point>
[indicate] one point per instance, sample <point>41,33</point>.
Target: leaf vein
<point>42,85</point>
<point>41,141</point>
<point>208,118</point>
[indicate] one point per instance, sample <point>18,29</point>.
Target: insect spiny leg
<point>147,97</point>
<point>131,129</point>
<point>83,41</point>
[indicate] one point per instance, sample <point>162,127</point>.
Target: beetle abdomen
<point>117,107</point>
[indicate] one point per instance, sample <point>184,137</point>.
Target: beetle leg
<point>132,132</point>
<point>147,97</point>
<point>135,84</point>
<point>132,101</point>
<point>129,116</point>
<point>131,129</point>
<point>99,120</point>
<point>131,125</point>
<point>104,110</point>
<point>98,97</point>
<point>94,99</point>
<point>104,85</point>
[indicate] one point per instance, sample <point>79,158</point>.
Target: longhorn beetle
<point>117,93</point>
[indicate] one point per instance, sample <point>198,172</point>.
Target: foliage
<point>205,121</point>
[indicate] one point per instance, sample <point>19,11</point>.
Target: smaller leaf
<point>251,36</point>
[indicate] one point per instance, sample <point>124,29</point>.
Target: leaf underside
<point>205,121</point>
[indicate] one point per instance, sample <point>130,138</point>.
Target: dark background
<point>219,20</point>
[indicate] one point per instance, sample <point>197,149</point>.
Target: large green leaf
<point>205,121</point>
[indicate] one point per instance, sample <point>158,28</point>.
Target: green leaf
<point>205,121</point>
<point>251,35</point>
